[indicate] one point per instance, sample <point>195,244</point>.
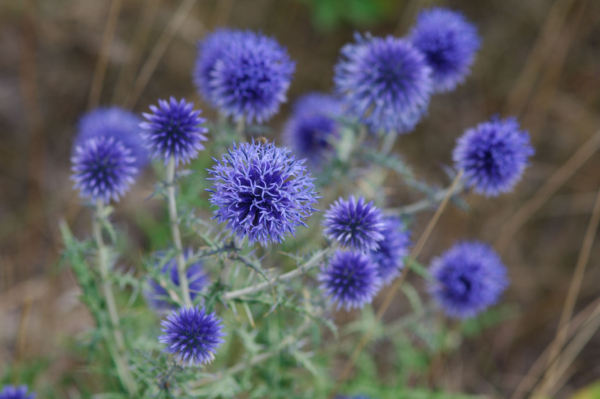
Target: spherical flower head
<point>174,129</point>
<point>354,224</point>
<point>449,42</point>
<point>385,82</point>
<point>103,168</point>
<point>393,248</point>
<point>262,192</point>
<point>493,156</point>
<point>467,279</point>
<point>210,51</point>
<point>12,392</point>
<point>251,78</point>
<point>192,335</point>
<point>158,297</point>
<point>118,123</point>
<point>351,279</point>
<point>313,127</point>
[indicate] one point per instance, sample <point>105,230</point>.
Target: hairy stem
<point>117,349</point>
<point>181,266</point>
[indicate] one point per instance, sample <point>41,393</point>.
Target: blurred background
<point>540,61</point>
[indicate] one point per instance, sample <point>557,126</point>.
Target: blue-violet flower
<point>12,392</point>
<point>393,248</point>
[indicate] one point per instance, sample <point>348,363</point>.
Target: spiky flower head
<point>262,192</point>
<point>351,279</point>
<point>385,82</point>
<point>313,127</point>
<point>449,42</point>
<point>118,123</point>
<point>249,75</point>
<point>12,392</point>
<point>174,129</point>
<point>103,168</point>
<point>354,224</point>
<point>192,335</point>
<point>467,279</point>
<point>393,248</point>
<point>158,297</point>
<point>493,156</point>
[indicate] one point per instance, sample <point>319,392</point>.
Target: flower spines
<point>103,169</point>
<point>351,279</point>
<point>12,392</point>
<point>449,42</point>
<point>354,224</point>
<point>313,127</point>
<point>262,192</point>
<point>245,75</point>
<point>467,279</point>
<point>393,248</point>
<point>493,155</point>
<point>192,335</point>
<point>385,82</point>
<point>174,129</point>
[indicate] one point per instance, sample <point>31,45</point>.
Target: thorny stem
<point>181,266</point>
<point>427,202</point>
<point>103,264</point>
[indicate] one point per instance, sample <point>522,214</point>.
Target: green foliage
<point>327,14</point>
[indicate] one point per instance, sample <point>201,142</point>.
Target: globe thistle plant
<point>117,123</point>
<point>493,156</point>
<point>354,224</point>
<point>393,248</point>
<point>449,42</point>
<point>467,279</point>
<point>262,192</point>
<point>248,74</point>
<point>12,392</point>
<point>351,279</point>
<point>103,169</point>
<point>313,127</point>
<point>174,129</point>
<point>385,82</point>
<point>157,296</point>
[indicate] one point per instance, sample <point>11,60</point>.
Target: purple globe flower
<point>449,42</point>
<point>262,192</point>
<point>174,130</point>
<point>103,168</point>
<point>354,224</point>
<point>467,279</point>
<point>493,156</point>
<point>158,297</point>
<point>351,279</point>
<point>313,126</point>
<point>12,392</point>
<point>385,82</point>
<point>393,248</point>
<point>248,76</point>
<point>118,123</point>
<point>192,335</point>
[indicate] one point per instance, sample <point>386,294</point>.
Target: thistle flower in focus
<point>355,224</point>
<point>174,129</point>
<point>245,75</point>
<point>449,42</point>
<point>12,392</point>
<point>351,279</point>
<point>393,248</point>
<point>103,168</point>
<point>493,155</point>
<point>262,192</point>
<point>157,296</point>
<point>118,123</point>
<point>385,82</point>
<point>192,335</point>
<point>467,279</point>
<point>313,126</point>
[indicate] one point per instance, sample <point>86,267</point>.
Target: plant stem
<point>104,266</point>
<point>181,272</point>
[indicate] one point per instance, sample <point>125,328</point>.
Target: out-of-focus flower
<point>393,248</point>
